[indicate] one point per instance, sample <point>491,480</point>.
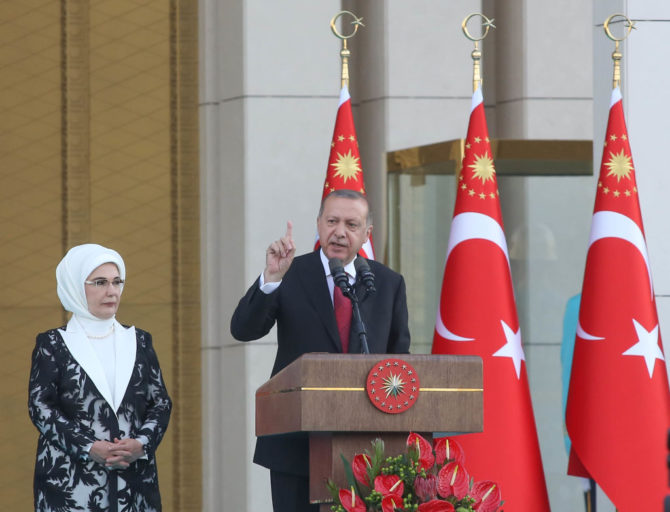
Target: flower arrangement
<point>426,479</point>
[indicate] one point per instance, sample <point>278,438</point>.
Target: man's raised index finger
<point>289,230</point>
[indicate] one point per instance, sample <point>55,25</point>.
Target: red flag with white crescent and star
<point>618,410</point>
<point>477,316</point>
<point>344,164</point>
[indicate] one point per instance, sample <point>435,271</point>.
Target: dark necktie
<point>342,316</point>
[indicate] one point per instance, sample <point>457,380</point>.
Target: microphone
<point>368,278</point>
<point>339,275</point>
<point>341,280</point>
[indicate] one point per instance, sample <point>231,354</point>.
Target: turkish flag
<point>618,410</point>
<point>344,164</point>
<point>477,316</point>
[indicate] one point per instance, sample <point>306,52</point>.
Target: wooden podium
<point>325,395</point>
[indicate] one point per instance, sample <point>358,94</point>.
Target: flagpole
<point>477,316</point>
<point>590,494</point>
<point>476,53</point>
<point>616,54</point>
<point>344,170</point>
<point>616,80</point>
<point>345,53</point>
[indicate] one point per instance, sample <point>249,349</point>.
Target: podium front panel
<point>327,393</point>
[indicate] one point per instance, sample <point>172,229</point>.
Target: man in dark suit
<point>297,294</point>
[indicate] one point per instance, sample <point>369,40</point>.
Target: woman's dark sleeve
<point>44,403</point>
<point>159,404</point>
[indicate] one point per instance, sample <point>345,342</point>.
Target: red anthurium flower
<point>426,488</point>
<point>436,506</point>
<point>351,502</point>
<point>447,450</point>
<point>487,496</point>
<point>391,503</point>
<point>390,485</point>
<point>360,466</point>
<point>426,457</point>
<point>453,480</point>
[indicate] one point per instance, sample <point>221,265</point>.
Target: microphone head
<point>361,264</point>
<point>366,275</point>
<point>335,265</point>
<point>337,271</point>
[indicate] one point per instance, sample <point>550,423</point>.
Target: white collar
<point>80,348</point>
<point>95,327</point>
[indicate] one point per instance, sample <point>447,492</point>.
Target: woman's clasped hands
<point>117,455</point>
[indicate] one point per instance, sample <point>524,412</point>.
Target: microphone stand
<point>341,280</point>
<point>359,325</point>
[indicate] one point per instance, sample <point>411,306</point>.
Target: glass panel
<point>547,223</point>
<point>420,209</point>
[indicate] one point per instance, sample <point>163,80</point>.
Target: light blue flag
<point>570,319</point>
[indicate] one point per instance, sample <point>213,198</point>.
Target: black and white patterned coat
<point>71,405</point>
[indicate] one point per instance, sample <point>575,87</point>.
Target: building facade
<point>185,134</point>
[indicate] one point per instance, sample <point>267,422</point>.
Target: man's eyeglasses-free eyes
<point>103,283</point>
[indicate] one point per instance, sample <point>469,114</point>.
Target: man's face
<point>343,228</point>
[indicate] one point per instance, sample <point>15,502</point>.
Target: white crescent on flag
<point>585,335</point>
<point>468,226</point>
<point>608,224</point>
<point>473,225</point>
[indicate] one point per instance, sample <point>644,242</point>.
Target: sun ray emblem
<point>347,166</point>
<point>483,168</point>
<point>393,385</point>
<point>619,165</point>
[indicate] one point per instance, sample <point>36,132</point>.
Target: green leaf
<point>334,491</point>
<point>376,459</point>
<point>348,472</point>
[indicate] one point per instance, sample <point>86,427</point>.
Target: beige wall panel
<point>130,157</point>
<point>185,175</point>
<point>30,221</point>
<point>99,144</point>
<point>130,170</point>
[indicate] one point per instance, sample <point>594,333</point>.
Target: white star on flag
<point>512,348</point>
<point>647,346</point>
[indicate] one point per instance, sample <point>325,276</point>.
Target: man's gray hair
<point>348,194</point>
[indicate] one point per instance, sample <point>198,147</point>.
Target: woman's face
<point>103,301</point>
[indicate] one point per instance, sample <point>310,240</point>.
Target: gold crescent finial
<point>628,23</point>
<point>476,53</point>
<point>357,22</point>
<point>616,54</point>
<point>344,52</point>
<point>488,23</point>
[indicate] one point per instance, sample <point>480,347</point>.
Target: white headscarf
<point>102,346</point>
<point>73,270</point>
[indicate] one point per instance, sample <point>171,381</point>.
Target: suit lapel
<point>313,281</point>
<point>77,343</point>
<point>126,348</point>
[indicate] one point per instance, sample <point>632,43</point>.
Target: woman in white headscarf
<point>97,397</point>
